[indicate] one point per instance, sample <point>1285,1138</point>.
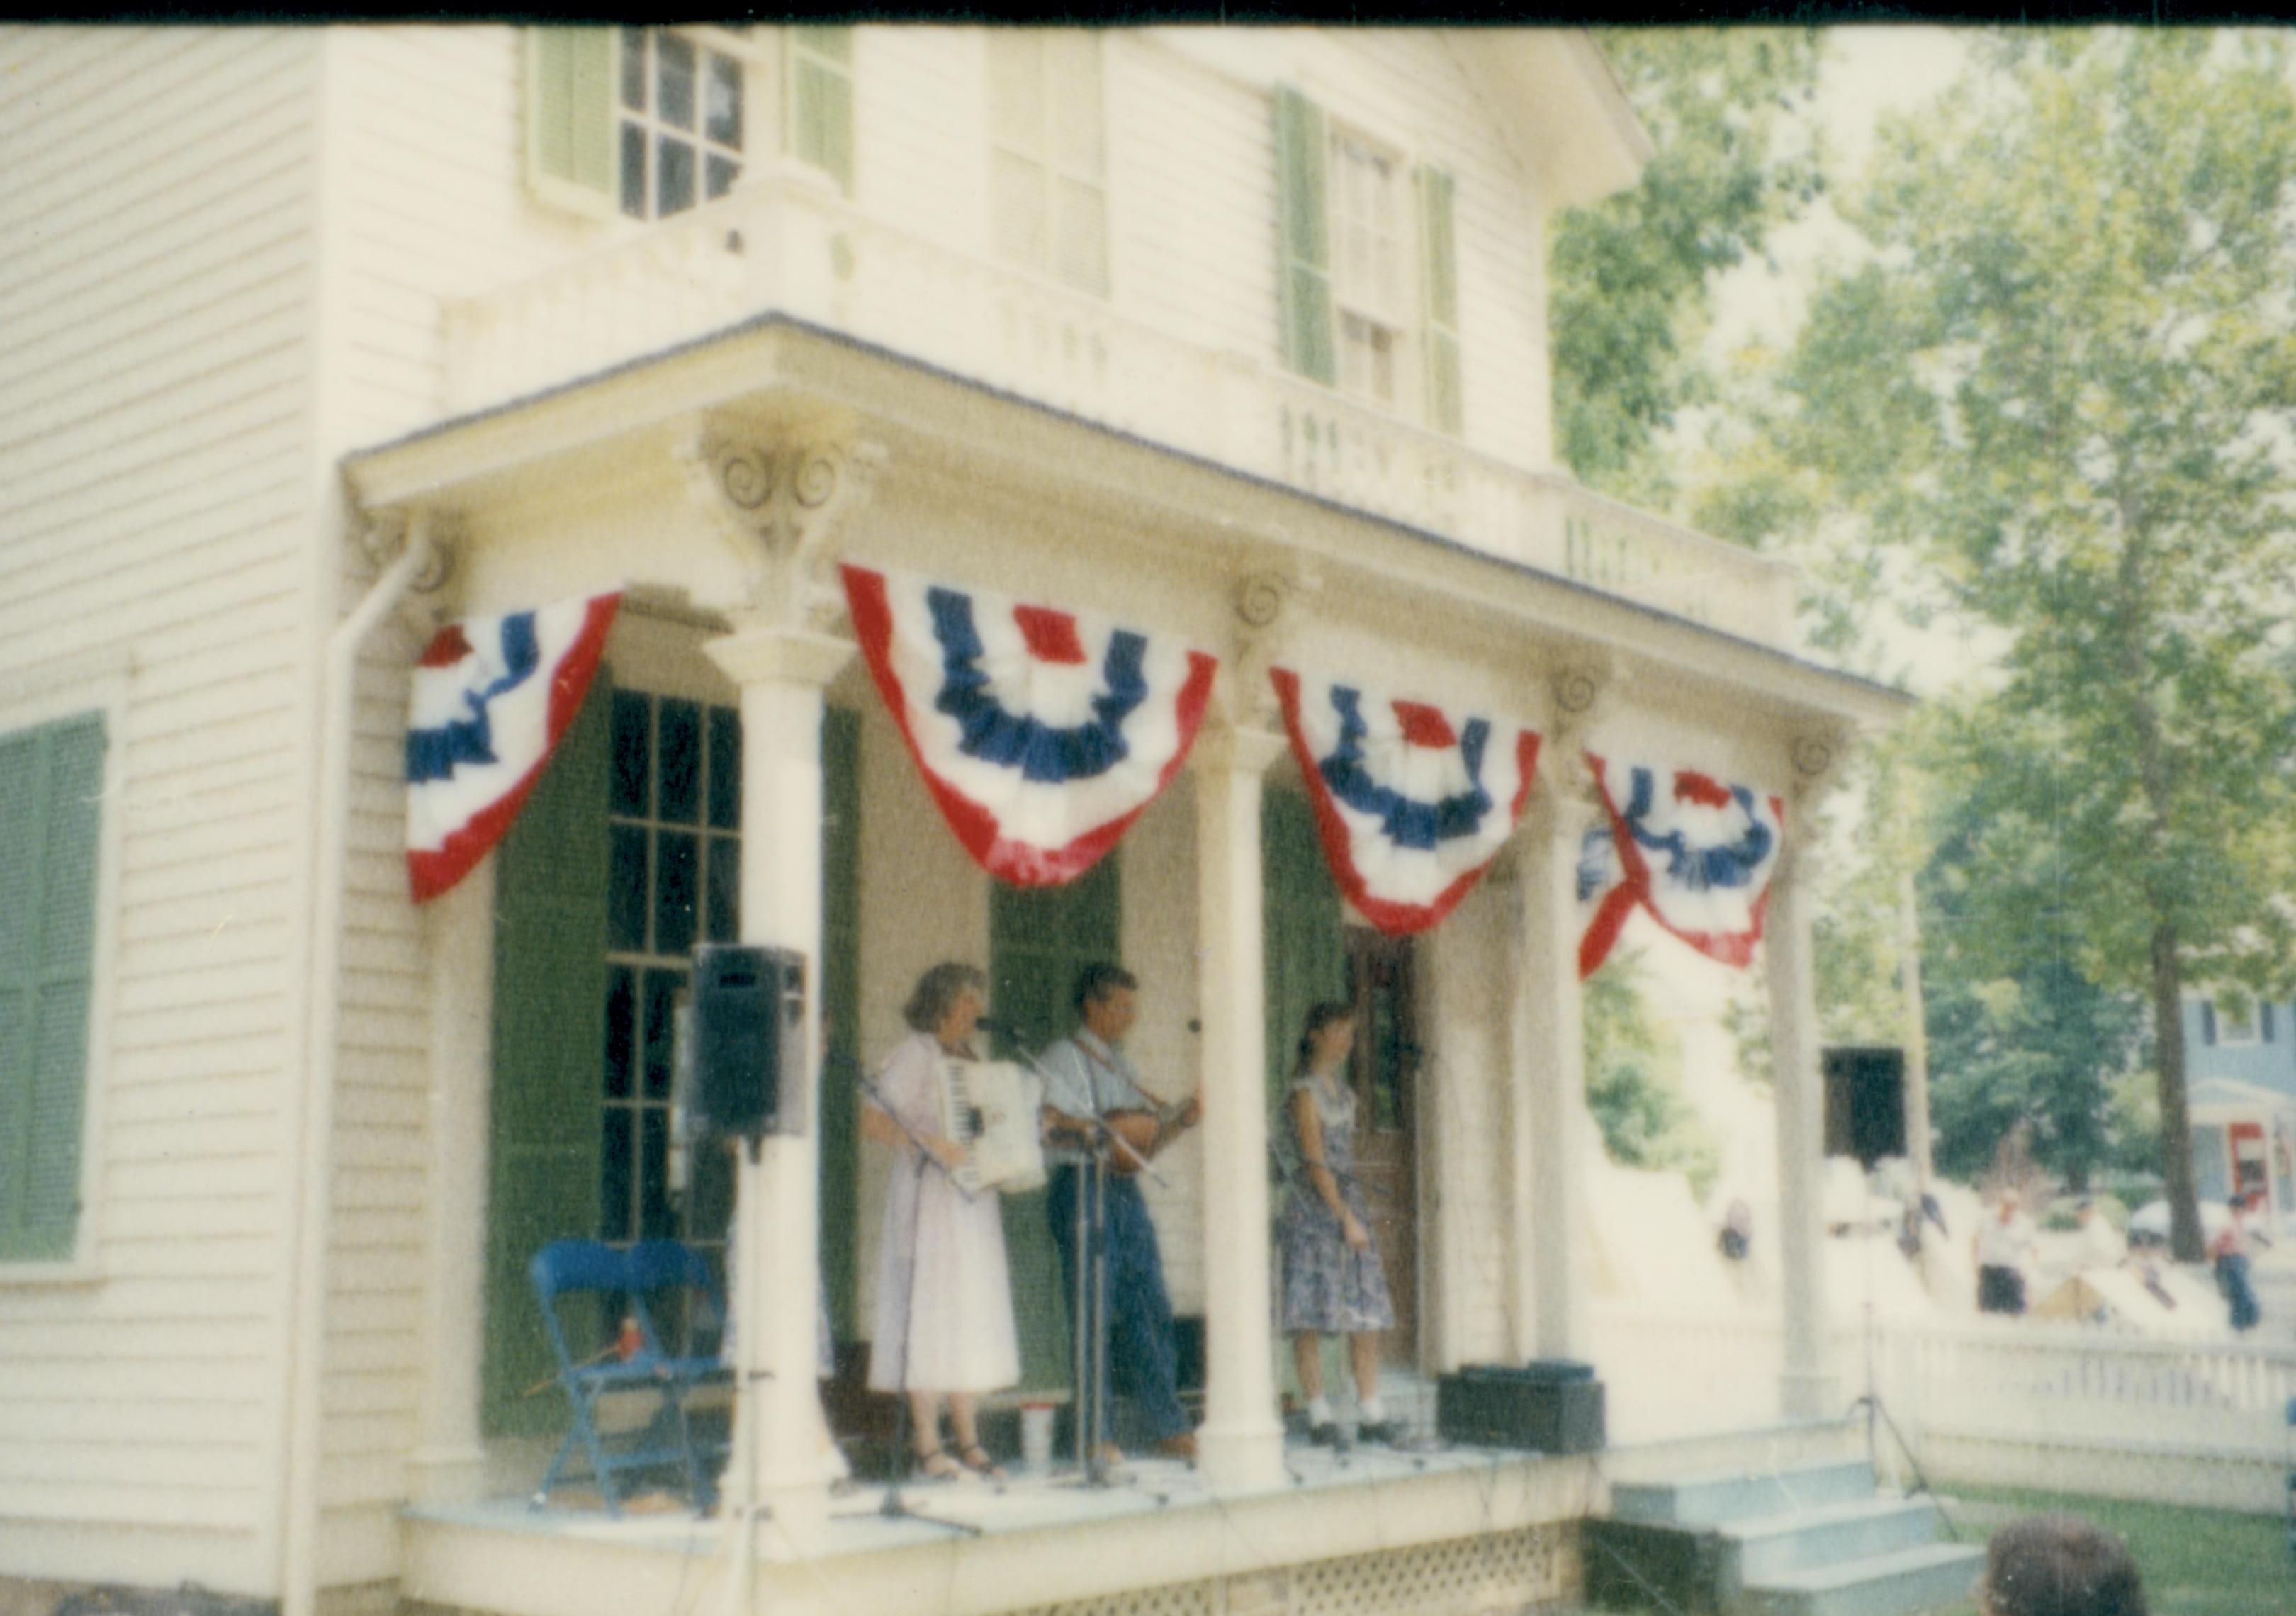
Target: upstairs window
<point>679,123</point>
<point>1368,278</point>
<point>647,123</point>
<point>1048,158</point>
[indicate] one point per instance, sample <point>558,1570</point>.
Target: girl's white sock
<point>1374,1409</point>
<point>1319,1411</point>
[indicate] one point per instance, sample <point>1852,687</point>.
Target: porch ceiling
<point>941,424</point>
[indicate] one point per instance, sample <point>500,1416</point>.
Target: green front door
<point>1039,940</point>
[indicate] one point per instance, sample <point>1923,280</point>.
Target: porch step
<point>1723,1496</point>
<point>1935,1577</point>
<point>1761,1550</point>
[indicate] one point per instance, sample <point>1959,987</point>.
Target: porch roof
<point>776,359</point>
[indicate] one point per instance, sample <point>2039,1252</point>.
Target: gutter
<point>311,1224</point>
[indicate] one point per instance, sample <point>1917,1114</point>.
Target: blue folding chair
<point>572,1268</point>
<point>671,1271</point>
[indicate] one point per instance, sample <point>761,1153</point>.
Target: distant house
<point>2240,1071</point>
<point>318,339</point>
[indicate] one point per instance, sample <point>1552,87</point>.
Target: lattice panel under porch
<point>1480,1575</point>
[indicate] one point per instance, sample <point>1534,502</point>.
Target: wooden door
<point>1385,1074</point>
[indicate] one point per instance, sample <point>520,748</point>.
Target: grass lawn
<point>2195,1562</point>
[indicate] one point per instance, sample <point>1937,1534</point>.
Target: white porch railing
<point>2006,1403</point>
<point>787,244</point>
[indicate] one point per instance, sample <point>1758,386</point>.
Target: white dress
<point>942,1254</point>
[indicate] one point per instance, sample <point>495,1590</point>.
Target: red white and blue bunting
<point>1412,801</point>
<point>492,697</point>
<point>1041,733</point>
<point>1695,853</point>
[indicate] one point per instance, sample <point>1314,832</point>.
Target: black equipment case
<point>1548,1405</point>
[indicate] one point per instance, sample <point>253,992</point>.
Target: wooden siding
<point>157,261</point>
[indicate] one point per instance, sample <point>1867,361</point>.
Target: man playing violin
<point>1088,1074</point>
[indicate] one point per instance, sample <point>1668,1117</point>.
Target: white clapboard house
<point>313,341</point>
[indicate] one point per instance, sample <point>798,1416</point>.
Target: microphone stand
<point>895,1507</point>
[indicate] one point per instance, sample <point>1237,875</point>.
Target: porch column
<point>449,1466</point>
<point>1807,1389</point>
<point>1241,1442</point>
<point>781,674</point>
<point>1547,1117</point>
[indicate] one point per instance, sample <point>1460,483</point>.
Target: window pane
<point>621,1029</point>
<point>722,172</point>
<point>633,743</point>
<point>674,58</point>
<point>1018,220</point>
<point>634,170</point>
<point>725,890</point>
<point>679,748</point>
<point>725,768</point>
<point>722,108</point>
<point>634,69</point>
<point>661,997</point>
<point>614,1176</point>
<point>625,890</point>
<point>1016,90</point>
<point>1080,237</point>
<point>674,193</point>
<point>653,1176</point>
<point>676,876</point>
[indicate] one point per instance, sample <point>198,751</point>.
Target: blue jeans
<point>2232,1279</point>
<point>1142,1361</point>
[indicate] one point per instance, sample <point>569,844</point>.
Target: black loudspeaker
<point>749,1040</point>
<point>1548,1405</point>
<point>1865,1102</point>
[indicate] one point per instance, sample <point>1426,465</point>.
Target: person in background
<point>1333,1282</point>
<point>2059,1565</point>
<point>2231,1250</point>
<point>2002,1245</point>
<point>2101,1246</point>
<point>1736,1240</point>
<point>944,1295</point>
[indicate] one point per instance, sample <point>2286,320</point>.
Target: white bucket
<point>1037,1436</point>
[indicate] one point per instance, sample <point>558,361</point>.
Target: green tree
<point>1630,278</point>
<point>1632,1082</point>
<point>2079,364</point>
<point>2018,1032</point>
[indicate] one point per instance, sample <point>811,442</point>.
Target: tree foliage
<point>2064,385</point>
<point>1632,1086</point>
<point>1630,278</point>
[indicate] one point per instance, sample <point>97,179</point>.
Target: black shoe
<point>1385,1432</point>
<point>1328,1435</point>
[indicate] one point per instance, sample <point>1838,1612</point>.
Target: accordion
<point>991,1108</point>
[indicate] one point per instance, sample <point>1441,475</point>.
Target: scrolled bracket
<point>1269,617</point>
<point>383,538</point>
<point>782,505</point>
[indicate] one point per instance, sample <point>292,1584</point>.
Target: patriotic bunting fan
<point>1413,802</point>
<point>1041,733</point>
<point>492,696</point>
<point>1698,855</point>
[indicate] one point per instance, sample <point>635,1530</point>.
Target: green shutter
<point>569,117</point>
<point>50,800</point>
<point>549,1035</point>
<point>840,991</point>
<point>1303,239</point>
<point>1039,940</point>
<point>1306,956</point>
<point>1441,257</point>
<point>821,101</point>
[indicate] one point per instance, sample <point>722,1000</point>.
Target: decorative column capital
<point>781,495</point>
<point>779,656</point>
<point>1582,690</point>
<point>1238,748</point>
<point>1820,755</point>
<point>1270,608</point>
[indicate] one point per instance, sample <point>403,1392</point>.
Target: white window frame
<point>1053,173</point>
<point>70,688</point>
<point>748,53</point>
<point>1349,299</point>
<point>2230,1036</point>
